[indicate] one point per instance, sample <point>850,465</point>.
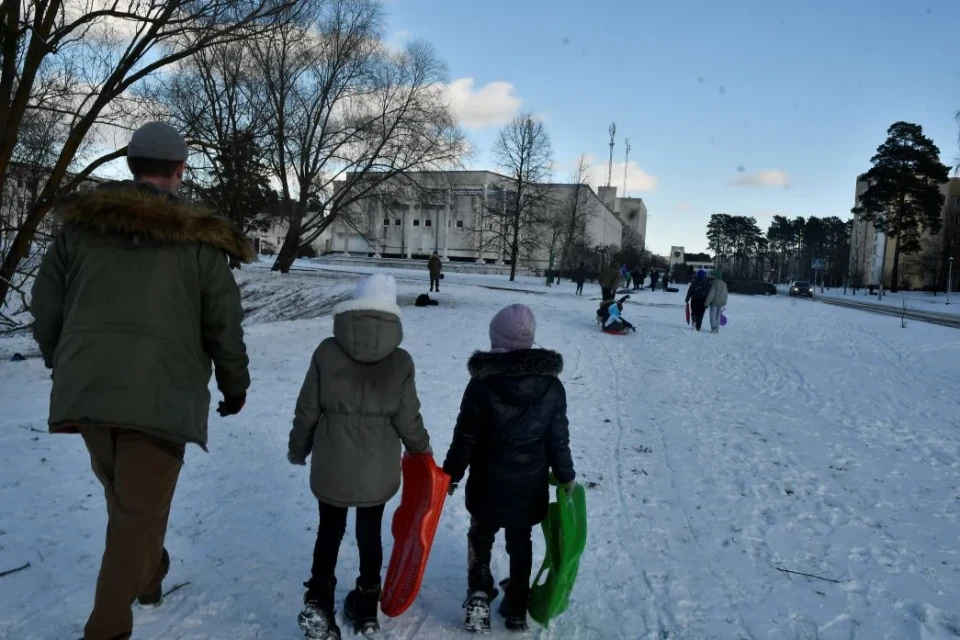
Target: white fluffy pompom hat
<point>374,293</point>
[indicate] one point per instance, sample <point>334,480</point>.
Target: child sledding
<point>610,317</point>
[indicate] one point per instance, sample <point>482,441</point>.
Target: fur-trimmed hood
<point>138,209</point>
<point>512,364</point>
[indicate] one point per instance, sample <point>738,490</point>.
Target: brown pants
<point>139,475</point>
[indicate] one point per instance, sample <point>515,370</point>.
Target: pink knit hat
<point>513,329</point>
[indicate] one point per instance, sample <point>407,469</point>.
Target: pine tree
<point>903,196</point>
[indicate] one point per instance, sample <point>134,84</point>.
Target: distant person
<point>696,298</point>
<point>666,282</point>
<point>625,275</point>
<point>133,303</point>
<point>512,431</point>
<point>637,276</point>
<point>654,279</point>
<point>609,281</point>
<point>357,406</point>
<point>435,266</point>
<point>716,300</point>
<point>581,278</point>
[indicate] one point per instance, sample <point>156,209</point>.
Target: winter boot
<point>513,608</point>
<point>360,608</point>
<point>477,606</point>
<point>480,593</point>
<point>155,598</point>
<point>317,619</point>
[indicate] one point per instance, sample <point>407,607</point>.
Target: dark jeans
<point>480,541</point>
<point>579,288</point>
<point>333,523</point>
<point>607,294</point>
<point>434,283</point>
<point>697,309</point>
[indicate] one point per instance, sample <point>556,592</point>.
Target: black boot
<point>513,608</point>
<point>155,598</point>
<point>360,607</point>
<point>317,620</point>
<point>480,593</point>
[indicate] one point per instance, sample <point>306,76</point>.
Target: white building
<point>451,212</point>
<point>632,211</point>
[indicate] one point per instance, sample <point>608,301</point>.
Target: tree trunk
<point>288,252</point>
<point>895,276</point>
<point>514,251</point>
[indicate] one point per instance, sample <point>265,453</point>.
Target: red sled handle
<point>414,527</point>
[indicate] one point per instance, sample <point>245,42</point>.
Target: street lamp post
<point>949,279</point>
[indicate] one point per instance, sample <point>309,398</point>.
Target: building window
<point>416,223</point>
<point>428,222</point>
<point>459,224</point>
<point>956,201</point>
<point>386,222</point>
<point>396,222</point>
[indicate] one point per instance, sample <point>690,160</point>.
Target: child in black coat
<point>511,432</point>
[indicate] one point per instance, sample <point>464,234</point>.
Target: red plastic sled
<point>611,332</point>
<point>414,526</point>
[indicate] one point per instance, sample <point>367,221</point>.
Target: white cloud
<point>637,178</point>
<point>492,105</point>
<point>765,178</point>
<point>683,207</point>
<point>403,34</point>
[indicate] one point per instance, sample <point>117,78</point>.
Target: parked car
<point>801,288</point>
<point>752,288</point>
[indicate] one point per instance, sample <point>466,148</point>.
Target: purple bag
<point>723,319</point>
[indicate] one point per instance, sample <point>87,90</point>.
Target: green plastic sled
<point>565,531</point>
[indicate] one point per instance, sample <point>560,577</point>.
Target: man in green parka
<point>133,303</point>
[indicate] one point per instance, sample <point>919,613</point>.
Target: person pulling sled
<point>357,407</point>
<point>512,431</point>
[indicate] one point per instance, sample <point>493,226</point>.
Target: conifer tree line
<point>902,197</point>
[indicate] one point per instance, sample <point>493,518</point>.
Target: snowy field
<point>804,438</point>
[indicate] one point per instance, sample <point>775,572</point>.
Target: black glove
<point>231,406</point>
<point>452,489</point>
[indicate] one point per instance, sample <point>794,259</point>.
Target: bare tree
<point>80,60</point>
<point>523,151</point>
<point>578,213</point>
<point>211,99</point>
<point>348,116</point>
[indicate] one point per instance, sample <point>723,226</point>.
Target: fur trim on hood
<point>541,362</point>
<point>132,209</point>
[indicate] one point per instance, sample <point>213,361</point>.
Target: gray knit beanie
<point>158,141</point>
<point>513,329</point>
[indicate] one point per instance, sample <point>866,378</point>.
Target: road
<point>942,319</point>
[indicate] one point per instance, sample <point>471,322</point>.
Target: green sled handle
<point>565,532</point>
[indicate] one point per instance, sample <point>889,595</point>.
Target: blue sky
<point>789,99</point>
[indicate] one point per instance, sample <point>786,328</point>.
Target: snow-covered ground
<point>916,300</point>
<point>804,438</point>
